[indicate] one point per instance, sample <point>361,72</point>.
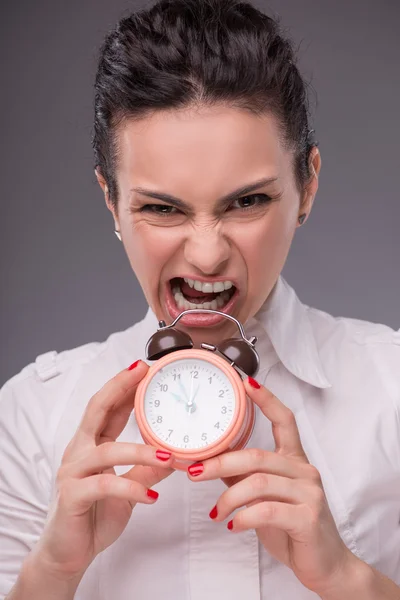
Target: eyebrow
<point>178,203</point>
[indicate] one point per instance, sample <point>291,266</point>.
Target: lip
<point>201,319</point>
<point>205,279</point>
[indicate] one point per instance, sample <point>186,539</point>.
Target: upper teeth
<point>207,287</point>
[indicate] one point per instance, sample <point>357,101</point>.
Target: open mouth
<point>189,293</point>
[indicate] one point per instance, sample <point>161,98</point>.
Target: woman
<point>205,157</point>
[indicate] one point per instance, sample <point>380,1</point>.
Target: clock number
<point>186,439</point>
<point>210,379</point>
<point>194,374</point>
<point>163,387</point>
<point>159,419</point>
<point>176,376</point>
<point>204,437</point>
<point>224,410</point>
<point>217,425</point>
<point>156,403</point>
<point>221,393</point>
<point>170,432</point>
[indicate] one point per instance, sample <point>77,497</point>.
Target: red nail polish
<point>163,455</point>
<point>196,469</point>
<point>230,525</point>
<point>214,513</point>
<point>254,383</point>
<point>152,494</point>
<point>135,364</point>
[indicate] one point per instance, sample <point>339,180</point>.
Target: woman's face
<point>205,237</point>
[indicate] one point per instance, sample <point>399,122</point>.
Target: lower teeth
<point>184,304</point>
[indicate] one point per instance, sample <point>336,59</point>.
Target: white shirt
<point>340,377</point>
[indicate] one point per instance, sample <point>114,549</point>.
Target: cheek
<point>264,245</point>
<point>149,248</point>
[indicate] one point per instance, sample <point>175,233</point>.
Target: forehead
<point>200,147</point>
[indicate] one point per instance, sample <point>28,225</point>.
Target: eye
<point>163,210</point>
<point>250,202</point>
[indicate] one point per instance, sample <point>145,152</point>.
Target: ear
<point>311,188</point>
<point>103,184</point>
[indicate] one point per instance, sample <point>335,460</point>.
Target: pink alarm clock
<point>192,402</point>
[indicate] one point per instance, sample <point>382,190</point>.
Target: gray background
<point>65,279</point>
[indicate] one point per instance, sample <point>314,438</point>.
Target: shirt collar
<point>285,320</point>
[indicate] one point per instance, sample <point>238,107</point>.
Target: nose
<point>208,251</point>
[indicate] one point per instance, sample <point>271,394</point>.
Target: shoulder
<point>360,354</point>
<point>44,386</point>
<point>368,336</point>
<point>42,405</point>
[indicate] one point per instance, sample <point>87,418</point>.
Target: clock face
<point>189,403</point>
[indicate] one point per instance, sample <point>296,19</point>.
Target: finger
<point>305,471</point>
<point>291,518</point>
<point>112,454</point>
<point>116,396</point>
<point>229,481</point>
<point>284,426</point>
<point>260,486</point>
<point>76,496</point>
<point>241,462</point>
<point>148,476</point>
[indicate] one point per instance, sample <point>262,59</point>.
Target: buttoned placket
<point>222,564</point>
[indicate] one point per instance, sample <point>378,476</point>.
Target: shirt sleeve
<point>25,477</point>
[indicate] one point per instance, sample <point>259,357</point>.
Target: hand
<point>285,499</point>
<point>93,504</point>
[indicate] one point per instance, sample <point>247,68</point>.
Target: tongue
<point>189,292</point>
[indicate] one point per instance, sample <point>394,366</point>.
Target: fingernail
<point>196,469</point>
<point>152,494</point>
<point>133,365</point>
<point>214,513</point>
<point>163,455</point>
<point>254,383</point>
<point>230,525</point>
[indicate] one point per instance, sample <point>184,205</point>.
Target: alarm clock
<point>192,402</point>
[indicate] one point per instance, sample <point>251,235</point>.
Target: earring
<point>302,218</point>
<point>117,233</point>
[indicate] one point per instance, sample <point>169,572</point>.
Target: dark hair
<point>180,53</point>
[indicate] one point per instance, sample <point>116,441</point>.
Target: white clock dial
<point>189,403</point>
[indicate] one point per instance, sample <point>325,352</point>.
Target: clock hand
<point>191,391</point>
<point>177,397</point>
<point>182,388</point>
<point>191,406</point>
<point>196,392</point>
<point>190,401</point>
